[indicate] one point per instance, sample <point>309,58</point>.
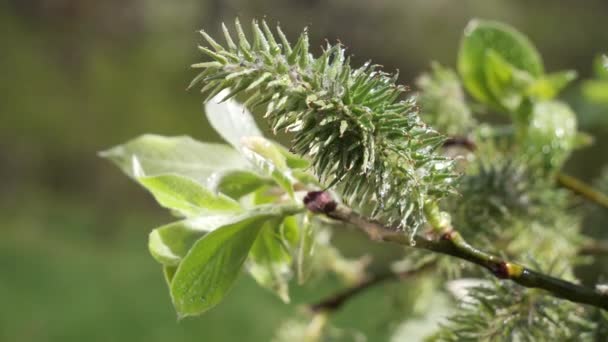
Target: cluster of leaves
<point>352,123</point>
<point>237,205</point>
<point>508,200</point>
<point>240,206</point>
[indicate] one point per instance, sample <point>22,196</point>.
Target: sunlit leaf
<point>231,119</point>
<point>270,260</point>
<point>596,91</point>
<point>304,256</point>
<point>212,265</point>
<point>170,243</point>
<point>269,160</point>
<point>238,183</point>
<point>548,86</point>
<point>150,155</point>
<point>292,160</point>
<point>187,197</point>
<point>168,273</point>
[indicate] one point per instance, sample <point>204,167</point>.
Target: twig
<point>465,142</point>
<point>594,248</point>
<point>582,189</point>
<point>335,302</point>
<point>451,243</point>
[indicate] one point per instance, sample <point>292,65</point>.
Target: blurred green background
<point>80,76</point>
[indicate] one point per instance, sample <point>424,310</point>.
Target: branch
<point>462,141</point>
<point>451,243</point>
<point>594,248</point>
<point>336,301</point>
<point>580,188</point>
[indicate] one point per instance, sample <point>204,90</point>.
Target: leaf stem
<point>582,189</point>
<point>337,300</point>
<point>453,244</point>
<point>595,248</point>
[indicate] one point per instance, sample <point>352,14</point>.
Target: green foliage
<point>187,197</point>
<point>355,134</point>
<point>501,68</point>
<point>213,263</point>
<point>151,155</point>
<point>596,90</point>
<point>350,122</point>
<point>493,55</point>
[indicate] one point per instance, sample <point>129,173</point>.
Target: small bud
<point>319,202</point>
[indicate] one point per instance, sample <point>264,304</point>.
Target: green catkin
<point>350,122</point>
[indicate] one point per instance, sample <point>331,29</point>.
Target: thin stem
<point>453,244</point>
<point>584,190</point>
<point>594,248</point>
<point>462,141</point>
<point>336,301</point>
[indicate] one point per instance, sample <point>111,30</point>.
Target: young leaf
<point>268,159</point>
<point>293,161</point>
<point>170,243</point>
<point>548,86</point>
<point>231,119</point>
<point>305,250</point>
<point>600,67</point>
<point>168,273</point>
<point>152,155</point>
<point>187,197</point>
<point>238,183</point>
<point>270,260</point>
<point>506,83</point>
<point>596,91</point>
<point>479,37</point>
<point>212,265</point>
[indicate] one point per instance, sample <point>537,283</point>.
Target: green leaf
<point>551,136</point>
<point>582,140</point>
<point>231,120</point>
<point>212,265</point>
<point>304,258</point>
<point>600,67</point>
<point>187,197</point>
<point>170,243</point>
<point>269,160</point>
<point>596,91</point>
<point>150,155</point>
<point>480,36</point>
<point>169,273</point>
<point>270,260</point>
<point>548,86</point>
<point>506,83</point>
<point>292,160</point>
<point>238,183</point>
